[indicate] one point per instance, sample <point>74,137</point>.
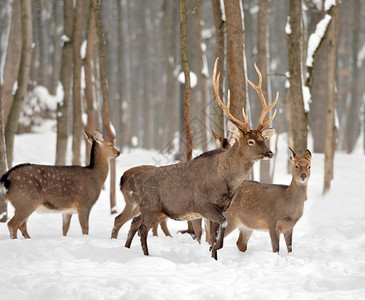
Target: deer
<point>270,207</point>
<point>58,189</point>
<point>205,186</point>
<point>127,182</point>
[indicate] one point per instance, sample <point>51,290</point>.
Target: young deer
<point>204,186</point>
<point>270,207</point>
<point>127,186</point>
<point>58,189</point>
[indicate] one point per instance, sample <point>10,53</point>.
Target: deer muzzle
<point>303,176</point>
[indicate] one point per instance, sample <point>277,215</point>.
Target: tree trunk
<point>330,139</point>
<point>262,53</point>
<point>76,87</point>
<point>3,204</point>
<point>235,54</point>
<point>23,76</point>
<point>202,80</point>
<point>106,111</point>
<point>89,76</point>
<point>65,79</point>
<point>13,55</point>
<point>187,89</point>
<point>217,113</point>
<point>299,115</point>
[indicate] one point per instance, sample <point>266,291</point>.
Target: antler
<point>265,108</point>
<point>244,126</point>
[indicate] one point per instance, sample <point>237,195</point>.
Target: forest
<point>141,71</point>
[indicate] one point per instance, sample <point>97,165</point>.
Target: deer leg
<point>197,226</point>
<point>132,231</point>
<point>66,221</point>
<point>164,228</point>
<point>148,220</point>
<point>20,216</point>
<point>128,213</point>
<point>155,229</point>
<point>243,238</point>
<point>288,235</point>
<point>23,229</point>
<point>208,238</point>
<point>143,232</point>
<point>84,214</point>
<point>274,235</point>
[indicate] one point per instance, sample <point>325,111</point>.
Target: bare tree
<point>235,53</point>
<point>299,115</point>
<point>23,76</point>
<point>330,140</point>
<point>187,89</point>
<point>13,54</point>
<point>76,87</point>
<point>65,78</point>
<point>106,111</point>
<point>262,53</point>
<point>218,118</point>
<point>3,205</point>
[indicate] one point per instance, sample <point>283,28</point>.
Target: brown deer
<point>270,207</point>
<point>204,186</point>
<point>127,187</point>
<point>127,182</point>
<point>58,189</point>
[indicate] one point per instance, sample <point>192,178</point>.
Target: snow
<point>193,79</point>
<point>315,38</point>
<point>287,26</point>
<point>327,262</point>
<point>328,4</point>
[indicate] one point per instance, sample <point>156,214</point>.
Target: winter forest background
<point>115,65</point>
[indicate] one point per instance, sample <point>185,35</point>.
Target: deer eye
<point>110,146</point>
<point>296,166</point>
<point>251,142</point>
<point>309,167</point>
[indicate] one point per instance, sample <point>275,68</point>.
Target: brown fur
<point>270,207</point>
<point>127,187</point>
<point>58,189</point>
<point>202,187</point>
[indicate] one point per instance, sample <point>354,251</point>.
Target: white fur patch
<point>3,189</point>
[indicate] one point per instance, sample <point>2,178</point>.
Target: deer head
<point>301,166</point>
<point>250,142</point>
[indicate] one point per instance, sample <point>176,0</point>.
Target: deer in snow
<point>127,186</point>
<point>204,186</point>
<point>270,207</point>
<point>127,182</point>
<point>58,189</point>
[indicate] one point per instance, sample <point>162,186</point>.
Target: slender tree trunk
<point>23,76</point>
<point>106,111</point>
<point>187,89</point>
<point>3,204</point>
<point>330,139</point>
<point>202,79</point>
<point>76,87</point>
<point>262,53</point>
<point>299,115</point>
<point>89,76</point>
<point>65,79</point>
<point>235,53</point>
<point>217,113</point>
<point>13,55</point>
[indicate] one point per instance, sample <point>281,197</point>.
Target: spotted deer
<point>58,189</point>
<point>270,207</point>
<point>204,186</point>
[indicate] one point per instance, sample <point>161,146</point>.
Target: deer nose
<point>269,154</point>
<point>303,176</point>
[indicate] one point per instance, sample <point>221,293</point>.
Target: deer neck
<point>98,163</point>
<point>298,188</point>
<point>236,166</point>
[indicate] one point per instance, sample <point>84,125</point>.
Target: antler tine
<point>244,126</point>
<point>265,108</point>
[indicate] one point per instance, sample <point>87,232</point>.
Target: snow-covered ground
<point>328,259</point>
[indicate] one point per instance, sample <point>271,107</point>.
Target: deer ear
<point>88,136</point>
<point>98,137</point>
<point>268,133</point>
<point>308,154</point>
<point>292,154</point>
<point>233,133</point>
